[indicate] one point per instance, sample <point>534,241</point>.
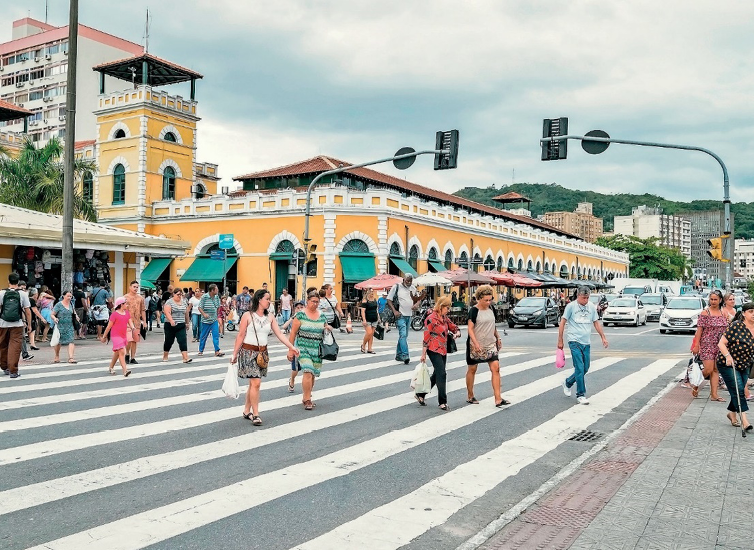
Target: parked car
<point>654,303</point>
<point>681,314</point>
<point>627,310</point>
<point>635,290</point>
<point>534,311</point>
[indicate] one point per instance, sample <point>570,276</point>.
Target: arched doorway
<point>357,264</point>
<point>284,268</point>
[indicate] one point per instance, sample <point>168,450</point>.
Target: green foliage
<point>555,198</point>
<point>648,259</point>
<point>34,180</point>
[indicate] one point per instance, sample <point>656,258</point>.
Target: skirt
<point>471,361</point>
<point>247,364</point>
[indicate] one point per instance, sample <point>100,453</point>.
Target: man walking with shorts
<point>137,308</point>
<point>579,316</point>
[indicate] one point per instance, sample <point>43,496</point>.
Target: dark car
<point>534,311</point>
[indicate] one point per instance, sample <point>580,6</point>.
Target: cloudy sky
<point>286,80</point>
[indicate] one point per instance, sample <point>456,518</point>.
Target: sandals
<point>127,373</point>
<point>371,351</point>
<point>733,420</point>
<point>219,354</point>
<point>717,399</point>
<point>502,402</point>
<point>290,387</point>
<point>256,421</point>
<point>73,361</point>
<point>56,361</point>
<point>188,360</point>
<point>472,401</point>
<point>444,407</point>
<point>112,371</point>
<point>308,405</point>
<point>363,350</point>
<point>420,400</point>
<point>695,391</point>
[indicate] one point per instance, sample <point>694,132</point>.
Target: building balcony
<point>145,95</point>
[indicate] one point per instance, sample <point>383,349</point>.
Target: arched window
<point>432,254</point>
<point>539,267</point>
<point>285,246</point>
<point>169,136</point>
<point>489,263</point>
<point>395,250</point>
<point>355,246</point>
<point>168,183</point>
<point>448,259</point>
<point>87,187</point>
<point>563,272</point>
<point>529,266</point>
<point>511,265</point>
<point>477,261</point>
<point>520,265</point>
<point>120,133</point>
<point>500,264</point>
<point>119,184</point>
<point>200,191</point>
<point>463,260</point>
<point>413,256</point>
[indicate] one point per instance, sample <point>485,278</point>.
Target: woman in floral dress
<point>711,326</point>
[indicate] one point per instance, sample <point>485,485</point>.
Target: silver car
<point>654,303</point>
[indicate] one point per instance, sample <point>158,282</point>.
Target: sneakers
<point>15,375</point>
<point>582,400</point>
<point>133,362</point>
<point>128,359</point>
<point>6,372</point>
<point>566,389</point>
<point>27,357</point>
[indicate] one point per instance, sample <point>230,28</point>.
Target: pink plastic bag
<point>559,359</point>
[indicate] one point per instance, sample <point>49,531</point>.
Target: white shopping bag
<point>230,385</point>
<point>55,339</point>
<point>420,381</point>
<point>696,377</point>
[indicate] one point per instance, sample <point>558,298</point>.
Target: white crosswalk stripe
<point>90,423</point>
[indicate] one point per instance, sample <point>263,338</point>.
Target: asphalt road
<point>162,460</point>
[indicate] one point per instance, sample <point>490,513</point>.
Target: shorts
<point>133,335</point>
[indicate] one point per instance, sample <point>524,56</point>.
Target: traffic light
<point>448,141</point>
<point>311,251</point>
<point>553,127</point>
<point>716,248</point>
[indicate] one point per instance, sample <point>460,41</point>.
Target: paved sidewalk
<point>679,477</point>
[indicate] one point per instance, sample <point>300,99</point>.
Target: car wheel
<point>663,331</point>
<point>511,324</point>
<point>636,323</point>
<point>606,324</point>
<point>544,322</point>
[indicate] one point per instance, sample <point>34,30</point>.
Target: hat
<point>119,301</point>
<point>299,303</point>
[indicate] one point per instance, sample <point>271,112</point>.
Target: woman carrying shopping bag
<point>63,316</point>
<point>437,329</point>
<point>711,326</point>
<point>250,350</point>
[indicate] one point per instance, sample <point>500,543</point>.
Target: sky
<point>287,80</point>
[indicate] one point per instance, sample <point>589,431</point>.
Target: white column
<point>119,284</point>
<point>382,244</point>
<point>329,256</point>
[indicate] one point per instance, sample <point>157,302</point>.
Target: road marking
<point>159,524</point>
<point>398,522</point>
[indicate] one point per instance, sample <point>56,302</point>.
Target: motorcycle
<point>420,316</point>
<point>601,307</point>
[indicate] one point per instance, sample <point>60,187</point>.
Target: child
<point>295,366</point>
<point>120,323</point>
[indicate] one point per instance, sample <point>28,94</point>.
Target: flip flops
<point>472,401</point>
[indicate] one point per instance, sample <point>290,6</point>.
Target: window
<point>520,265</point>
<point>500,264</point>
<point>87,187</point>
<point>511,265</point>
<point>119,184</point>
<point>201,191</point>
<point>168,183</point>
<point>489,263</point>
<point>413,257</point>
<point>463,260</point>
<point>119,134</point>
<point>448,259</point>
<point>395,250</point>
<point>170,136</point>
<point>355,246</point>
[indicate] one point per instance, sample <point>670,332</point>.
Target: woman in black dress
<point>734,362</point>
<point>369,319</point>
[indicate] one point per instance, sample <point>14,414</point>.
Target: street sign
<point>402,164</point>
<point>595,147</point>
<point>217,254</point>
<point>226,241</point>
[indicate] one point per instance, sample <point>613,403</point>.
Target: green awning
<point>437,265</point>
<point>403,265</point>
<point>357,268</point>
<point>155,268</point>
<point>146,284</point>
<point>277,256</point>
<point>208,270</point>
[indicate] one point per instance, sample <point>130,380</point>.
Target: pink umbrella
<point>512,279</point>
<point>461,277</point>
<point>379,282</point>
<point>499,278</point>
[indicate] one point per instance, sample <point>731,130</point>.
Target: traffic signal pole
<point>727,250</point>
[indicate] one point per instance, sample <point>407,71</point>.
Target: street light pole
<point>728,253</point>
<point>338,170</point>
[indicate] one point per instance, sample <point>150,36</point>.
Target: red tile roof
<point>83,144</point>
<point>148,57</point>
<point>9,111</point>
<point>511,197</point>
<point>323,163</point>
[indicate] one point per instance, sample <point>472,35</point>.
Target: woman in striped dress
<point>307,332</point>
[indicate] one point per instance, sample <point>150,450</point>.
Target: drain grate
<point>585,436</point>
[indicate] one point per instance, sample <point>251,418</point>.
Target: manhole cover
<point>585,436</point>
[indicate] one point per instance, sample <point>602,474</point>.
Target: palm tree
<point>34,179</point>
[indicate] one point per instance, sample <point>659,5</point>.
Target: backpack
<point>11,312</point>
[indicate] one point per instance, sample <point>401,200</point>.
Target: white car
<point>681,313</point>
<point>627,310</point>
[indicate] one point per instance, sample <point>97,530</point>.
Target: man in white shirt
<point>15,317</point>
<point>407,296</point>
<point>196,316</point>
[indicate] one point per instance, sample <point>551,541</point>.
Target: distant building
<point>581,222</point>
<point>645,222</point>
<point>743,258</point>
<point>705,225</point>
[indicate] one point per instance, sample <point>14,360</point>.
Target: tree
<point>648,259</point>
<point>34,180</point>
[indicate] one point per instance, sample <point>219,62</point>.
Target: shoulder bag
<point>75,320</point>
<point>263,357</point>
<point>328,352</point>
<point>336,317</point>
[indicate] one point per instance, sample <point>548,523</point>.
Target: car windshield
<point>651,300</point>
<point>684,303</point>
<point>629,290</point>
<point>623,302</point>
<point>595,298</point>
<point>531,302</point>
<point>611,297</point>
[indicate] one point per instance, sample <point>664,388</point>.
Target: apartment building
<point>645,222</point>
<point>743,258</point>
<point>581,222</point>
<point>706,224</point>
<point>34,70</point>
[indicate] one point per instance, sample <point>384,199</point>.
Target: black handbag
<point>76,322</point>
<point>329,352</point>
<point>336,316</point>
<point>379,332</point>
<point>451,346</point>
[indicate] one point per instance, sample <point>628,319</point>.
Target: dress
<point>309,336</point>
<point>484,330</point>
<point>257,334</point>
<point>119,330</point>
<point>65,322</point>
<point>713,327</point>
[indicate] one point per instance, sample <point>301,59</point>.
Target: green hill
<point>555,198</point>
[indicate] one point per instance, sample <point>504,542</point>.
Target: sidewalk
<point>679,477</point>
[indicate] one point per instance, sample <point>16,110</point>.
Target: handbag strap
<point>254,326</point>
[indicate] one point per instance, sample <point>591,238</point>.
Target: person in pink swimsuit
<point>118,326</point>
<point>711,326</point>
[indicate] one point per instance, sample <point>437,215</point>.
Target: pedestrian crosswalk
<point>163,460</point>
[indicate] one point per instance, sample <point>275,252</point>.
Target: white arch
<point>373,248</point>
<point>508,260</point>
<point>119,126</point>
<point>448,246</point>
<point>463,249</point>
<point>530,259</point>
<point>414,241</point>
<point>521,258</point>
<point>173,164</point>
<point>174,131</point>
<point>433,244</point>
<point>395,238</point>
<point>478,252</point>
<point>205,242</point>
<point>538,265</point>
<point>116,161</point>
<point>489,252</point>
<point>563,264</point>
<point>283,236</point>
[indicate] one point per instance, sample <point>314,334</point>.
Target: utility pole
<point>66,276</point>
